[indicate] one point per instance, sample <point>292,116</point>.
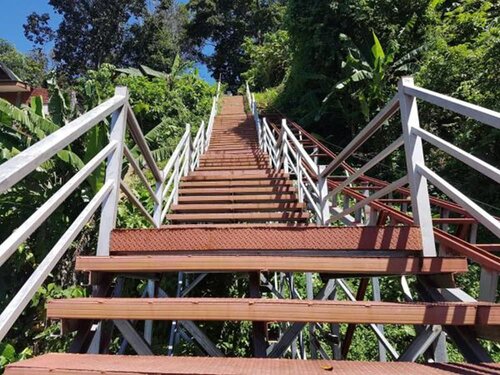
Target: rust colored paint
<point>265,238</point>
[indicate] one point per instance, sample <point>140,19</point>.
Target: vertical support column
<point>259,328</point>
<point>382,352</point>
<point>148,324</point>
<point>310,296</point>
<point>113,173</point>
<point>323,198</point>
<point>415,155</point>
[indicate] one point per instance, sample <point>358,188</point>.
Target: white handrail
<point>15,169</point>
<point>484,115</point>
<point>28,290</point>
<point>186,154</point>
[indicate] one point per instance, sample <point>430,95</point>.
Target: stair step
<point>214,190</point>
<point>240,216</point>
<point>218,176</point>
<point>385,265</point>
<point>266,238</point>
<point>237,183</point>
<point>275,310</point>
<point>102,364</point>
<point>231,167</point>
<point>238,207</point>
<point>261,198</point>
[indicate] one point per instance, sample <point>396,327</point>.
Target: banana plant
<point>369,77</point>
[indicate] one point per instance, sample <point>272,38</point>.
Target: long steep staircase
<point>235,212</point>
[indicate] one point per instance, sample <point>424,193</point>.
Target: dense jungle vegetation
<point>329,65</point>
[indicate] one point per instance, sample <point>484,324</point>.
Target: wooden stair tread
<point>235,176</point>
<point>231,207</point>
<point>275,310</point>
<point>234,183</point>
<point>106,364</point>
<point>365,265</point>
<point>240,216</point>
<point>244,198</point>
<point>248,190</point>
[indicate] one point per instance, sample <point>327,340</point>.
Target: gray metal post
<point>382,352</point>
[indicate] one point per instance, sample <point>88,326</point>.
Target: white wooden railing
<point>166,184</point>
<point>286,152</point>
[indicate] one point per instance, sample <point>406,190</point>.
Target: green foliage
<point>225,25</point>
<point>159,38</point>
<point>29,68</point>
<point>269,61</point>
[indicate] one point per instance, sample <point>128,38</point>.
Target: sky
<point>13,16</point>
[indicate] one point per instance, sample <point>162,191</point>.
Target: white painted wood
<point>188,152</point>
<point>133,199</point>
<point>113,173</point>
<point>365,168</point>
<point>484,115</point>
<point>386,190</point>
<point>158,206</point>
<point>138,171</point>
<point>175,154</point>
<point>15,169</point>
<point>28,290</point>
<point>456,195</point>
<point>385,114</point>
<point>414,152</point>
<point>9,246</point>
<point>323,201</point>
<point>299,147</point>
<point>141,142</point>
<point>465,157</point>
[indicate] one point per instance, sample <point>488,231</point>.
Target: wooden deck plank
<point>275,310</point>
<point>207,263</point>
<point>100,364</point>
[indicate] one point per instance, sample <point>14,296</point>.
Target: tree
<point>29,68</point>
<point>159,39</point>
<point>225,25</point>
<point>91,32</point>
<point>269,62</point>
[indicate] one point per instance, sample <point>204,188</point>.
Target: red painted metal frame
<point>452,242</point>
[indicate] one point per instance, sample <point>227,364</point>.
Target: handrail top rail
<point>474,111</point>
<point>15,169</point>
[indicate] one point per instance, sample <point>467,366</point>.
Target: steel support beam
<point>259,328</point>
<point>279,348</point>
<point>421,343</point>
<point>136,341</point>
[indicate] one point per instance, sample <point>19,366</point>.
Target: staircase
<point>235,212</point>
<point>234,182</point>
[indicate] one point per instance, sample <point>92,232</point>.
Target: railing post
<point>158,207</point>
<point>414,151</point>
<point>189,152</point>
<point>299,176</point>
<point>284,147</point>
<point>113,173</point>
<point>323,203</point>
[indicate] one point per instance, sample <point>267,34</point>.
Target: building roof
<point>10,82</point>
